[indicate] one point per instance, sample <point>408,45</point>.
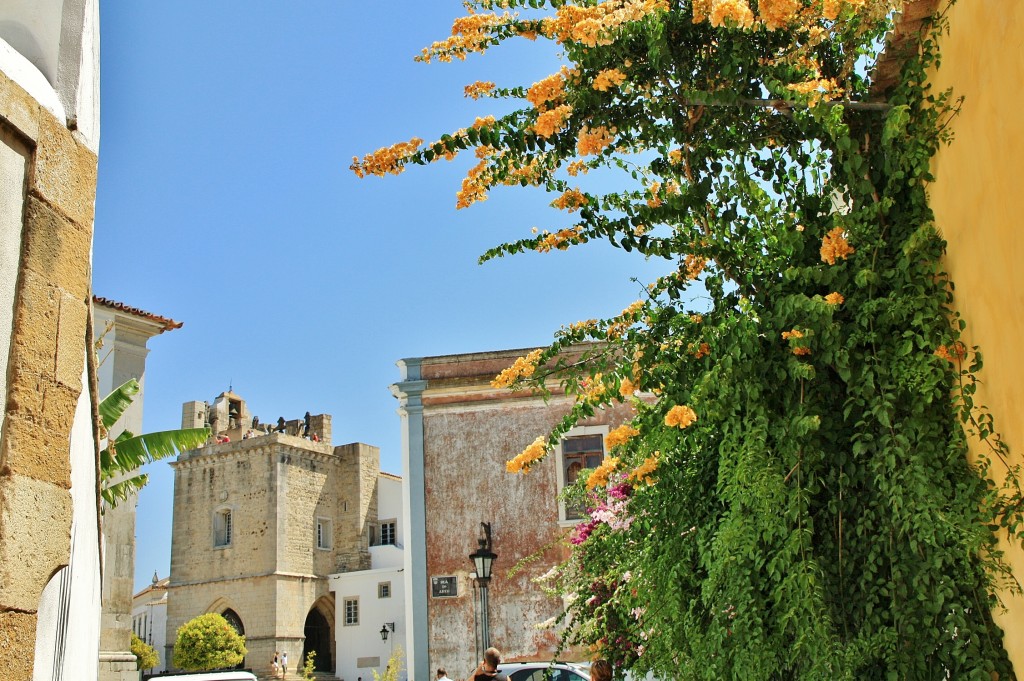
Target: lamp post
<point>483,560</point>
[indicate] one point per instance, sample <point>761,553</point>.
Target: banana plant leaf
<point>127,452</point>
<point>114,405</point>
<point>121,491</point>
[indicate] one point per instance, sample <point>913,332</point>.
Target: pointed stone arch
<point>225,609</point>
<point>318,632</point>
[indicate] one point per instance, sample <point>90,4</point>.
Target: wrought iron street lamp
<point>483,560</point>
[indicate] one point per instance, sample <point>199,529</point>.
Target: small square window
<point>384,590</point>
<point>351,612</point>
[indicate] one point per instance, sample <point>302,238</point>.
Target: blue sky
<point>225,202</point>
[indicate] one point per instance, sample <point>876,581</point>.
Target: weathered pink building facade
<point>457,434</point>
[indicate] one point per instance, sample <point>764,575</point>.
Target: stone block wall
<point>272,573</point>
<point>48,189</point>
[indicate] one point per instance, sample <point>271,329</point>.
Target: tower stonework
<point>259,523</point>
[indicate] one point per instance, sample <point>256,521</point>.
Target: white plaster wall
<point>155,612</point>
<point>51,49</point>
<point>32,27</point>
<point>68,626</point>
<point>389,505</point>
<point>363,640</point>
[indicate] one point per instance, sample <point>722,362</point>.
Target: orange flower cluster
<point>479,89</point>
<point>385,160</point>
<point>550,89</point>
<point>620,436</point>
<point>644,472</point>
<point>696,318</point>
<point>594,25</point>
<point>572,200</point>
<point>474,185</point>
<point>831,8</point>
<point>484,122</point>
<point>625,320</point>
<point>577,167</point>
<point>680,416</point>
<point>593,141</point>
<point>818,89</point>
<point>835,298</point>
<point>798,350</point>
<point>835,246</point>
<point>593,389</point>
<point>582,326</point>
<point>607,79</point>
<point>778,13</point>
<point>531,173</point>
<point>599,478</point>
<point>552,121</point>
<point>521,368</point>
<point>560,240</point>
<point>694,266</point>
<point>628,388</point>
<point>469,34</point>
<point>731,13</point>
<point>671,189</point>
<point>702,350</point>
<point>523,460</point>
<point>675,157</point>
<point>953,353</point>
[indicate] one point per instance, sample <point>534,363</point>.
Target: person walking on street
<point>442,675</point>
<point>487,670</point>
<point>601,670</point>
<point>284,665</point>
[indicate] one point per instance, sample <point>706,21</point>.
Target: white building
<point>149,618</point>
<point>371,602</point>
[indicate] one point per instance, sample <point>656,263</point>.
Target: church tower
<point>263,513</point>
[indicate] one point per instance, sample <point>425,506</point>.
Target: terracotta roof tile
<point>166,323</point>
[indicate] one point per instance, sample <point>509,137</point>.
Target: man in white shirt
<point>442,675</point>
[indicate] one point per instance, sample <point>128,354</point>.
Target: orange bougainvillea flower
<point>835,246</point>
<point>680,416</point>
<point>835,298</point>
<point>521,462</point>
<point>521,368</point>
<point>607,79</point>
<point>620,436</point>
<point>552,121</point>
<point>599,478</point>
<point>644,472</point>
<point>593,141</point>
<point>479,89</point>
<point>385,160</point>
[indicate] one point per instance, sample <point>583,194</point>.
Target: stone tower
<point>260,521</point>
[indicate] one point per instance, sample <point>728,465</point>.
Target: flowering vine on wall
<point>793,498</point>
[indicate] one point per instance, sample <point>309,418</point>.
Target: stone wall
<point>273,572</point>
<point>48,178</point>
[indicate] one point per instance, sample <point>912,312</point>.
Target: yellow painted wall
<point>978,198</point>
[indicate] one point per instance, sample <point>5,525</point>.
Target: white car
<point>543,671</point>
<point>232,675</point>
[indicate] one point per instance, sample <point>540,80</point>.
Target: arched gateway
<point>319,635</point>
